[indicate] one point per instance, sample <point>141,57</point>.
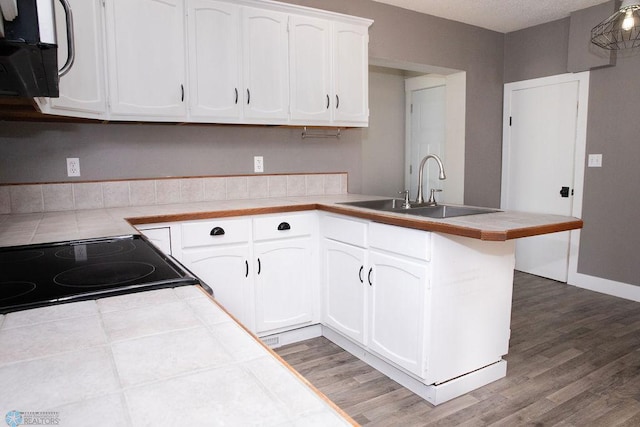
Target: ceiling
<point>503,16</point>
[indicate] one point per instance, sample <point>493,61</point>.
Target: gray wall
<point>611,206</point>
<point>383,143</point>
<point>36,152</point>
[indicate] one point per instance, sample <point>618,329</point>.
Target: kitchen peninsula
<point>447,263</point>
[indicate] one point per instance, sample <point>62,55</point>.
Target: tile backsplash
<point>26,198</point>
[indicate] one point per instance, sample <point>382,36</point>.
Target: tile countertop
<point>20,229</point>
<point>81,363</point>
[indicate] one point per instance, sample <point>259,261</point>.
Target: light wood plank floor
<point>574,360</point>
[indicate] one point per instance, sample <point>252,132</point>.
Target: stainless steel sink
<point>379,205</point>
<point>439,211</point>
<point>447,211</point>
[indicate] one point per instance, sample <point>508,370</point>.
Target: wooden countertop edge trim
<point>313,388</point>
<point>407,222</point>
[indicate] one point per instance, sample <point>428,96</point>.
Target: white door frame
<point>580,148</point>
<point>454,130</point>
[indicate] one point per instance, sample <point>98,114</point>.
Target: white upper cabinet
<point>82,89</point>
<point>310,65</point>
<point>214,61</point>
<point>351,71</point>
<point>146,59</point>
<point>215,85</point>
<point>266,65</point>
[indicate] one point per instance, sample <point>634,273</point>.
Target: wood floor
<point>574,360</point>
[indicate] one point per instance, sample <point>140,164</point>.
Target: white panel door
<point>350,62</point>
<point>146,58</point>
<point>215,89</point>
<point>538,161</point>
<point>309,69</point>
<point>266,65</point>
<point>428,127</point>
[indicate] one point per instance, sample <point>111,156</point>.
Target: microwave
<point>29,49</point>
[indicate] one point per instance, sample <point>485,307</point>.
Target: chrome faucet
<point>420,196</point>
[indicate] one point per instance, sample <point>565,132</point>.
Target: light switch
<point>595,160</point>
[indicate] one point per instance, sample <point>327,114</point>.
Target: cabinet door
<point>351,73</point>
<point>266,65</point>
<point>225,269</point>
<point>309,70</point>
<point>146,57</point>
<point>283,283</point>
<point>398,305</point>
<point>82,89</point>
<point>345,283</point>
<point>214,59</point>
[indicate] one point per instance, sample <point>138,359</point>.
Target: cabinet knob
<point>217,231</point>
<point>284,226</point>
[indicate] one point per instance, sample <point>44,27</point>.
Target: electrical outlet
<point>595,160</point>
<point>258,164</point>
<point>73,166</point>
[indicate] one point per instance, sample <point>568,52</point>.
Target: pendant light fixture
<point>621,30</point>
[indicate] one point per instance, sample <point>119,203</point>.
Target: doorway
<point>544,137</point>
<point>435,118</point>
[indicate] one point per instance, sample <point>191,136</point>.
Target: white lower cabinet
<point>262,269</point>
<point>225,269</point>
<point>377,297</point>
<point>398,308</point>
<point>282,291</point>
<point>345,286</point>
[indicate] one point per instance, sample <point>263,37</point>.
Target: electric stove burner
<point>12,290</point>
<point>55,273</point>
<point>104,274</point>
<point>84,252</point>
<point>19,256</point>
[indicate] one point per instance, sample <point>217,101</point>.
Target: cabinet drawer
<point>400,240</point>
<point>215,232</point>
<point>282,226</point>
<point>345,230</point>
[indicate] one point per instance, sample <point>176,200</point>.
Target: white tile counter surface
<point>169,357</point>
<point>43,227</point>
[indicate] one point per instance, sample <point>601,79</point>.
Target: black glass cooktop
<point>39,275</point>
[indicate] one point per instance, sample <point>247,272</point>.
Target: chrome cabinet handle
<point>181,93</point>
<point>236,89</point>
<point>337,101</point>
<point>246,264</point>
<point>369,276</point>
<point>360,273</point>
<point>71,43</point>
<point>248,96</point>
<point>328,101</point>
<point>259,266</point>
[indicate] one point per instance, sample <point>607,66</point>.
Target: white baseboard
<point>605,286</point>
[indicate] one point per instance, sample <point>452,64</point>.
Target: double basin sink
<point>438,211</point>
